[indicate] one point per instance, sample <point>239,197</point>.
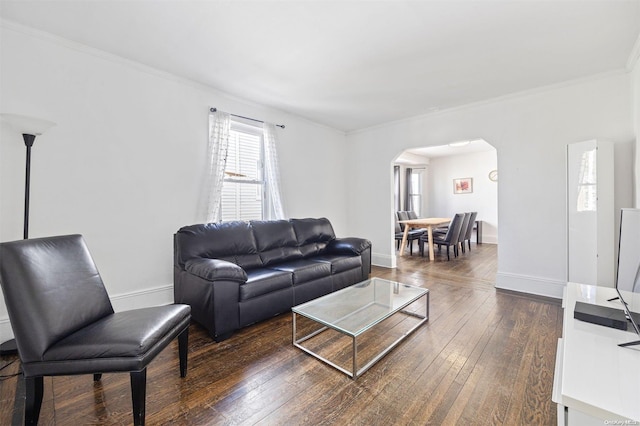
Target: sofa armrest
<point>216,270</point>
<point>351,245</point>
<point>212,288</point>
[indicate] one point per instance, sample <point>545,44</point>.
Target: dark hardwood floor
<point>485,357</point>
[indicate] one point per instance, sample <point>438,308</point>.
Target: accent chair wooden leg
<point>34,387</point>
<point>97,377</point>
<point>138,395</point>
<point>183,348</point>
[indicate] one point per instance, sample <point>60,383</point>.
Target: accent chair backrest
<point>51,288</point>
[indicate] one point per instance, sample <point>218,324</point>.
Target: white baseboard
<point>121,302</point>
<point>143,298</point>
<point>488,239</point>
<point>383,260</point>
<point>530,284</point>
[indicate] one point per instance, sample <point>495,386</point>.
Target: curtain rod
<point>247,118</point>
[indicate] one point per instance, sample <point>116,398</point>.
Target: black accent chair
<point>469,230</point>
<point>64,323</point>
<point>449,239</point>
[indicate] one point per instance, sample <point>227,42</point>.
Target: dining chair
<point>469,229</point>
<point>463,231</point>
<point>412,235</point>
<point>449,239</point>
<point>64,323</point>
<point>442,229</point>
<point>402,215</point>
<point>398,233</point>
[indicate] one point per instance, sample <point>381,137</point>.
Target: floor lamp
<point>30,127</point>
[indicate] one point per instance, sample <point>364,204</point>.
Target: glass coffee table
<point>356,310</point>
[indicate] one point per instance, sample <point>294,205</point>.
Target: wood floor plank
<point>485,357</point>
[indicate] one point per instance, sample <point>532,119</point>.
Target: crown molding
<point>497,99</point>
<point>102,54</point>
<point>86,49</point>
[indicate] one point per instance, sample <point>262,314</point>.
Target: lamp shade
<point>25,124</point>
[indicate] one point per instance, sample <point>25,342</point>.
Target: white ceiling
<point>353,64</point>
<point>417,155</point>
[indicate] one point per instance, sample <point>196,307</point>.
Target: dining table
<point>427,222</point>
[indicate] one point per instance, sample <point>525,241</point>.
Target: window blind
<point>243,188</point>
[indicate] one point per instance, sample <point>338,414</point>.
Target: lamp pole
<point>28,141</point>
<point>9,347</point>
<point>29,127</point>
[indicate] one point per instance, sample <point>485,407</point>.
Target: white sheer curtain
<point>272,171</point>
<point>219,127</point>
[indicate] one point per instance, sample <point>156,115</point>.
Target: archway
<point>437,169</point>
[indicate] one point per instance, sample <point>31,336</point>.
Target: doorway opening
<point>440,181</point>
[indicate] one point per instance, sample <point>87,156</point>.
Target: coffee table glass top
<point>354,310</point>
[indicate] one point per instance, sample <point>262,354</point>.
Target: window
<point>243,188</point>
<point>416,191</point>
<point>587,186</point>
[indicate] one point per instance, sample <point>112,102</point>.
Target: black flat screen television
<point>628,271</point>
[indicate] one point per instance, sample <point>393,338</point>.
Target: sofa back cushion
<point>313,235</point>
<point>231,241</point>
<point>253,244</point>
<point>276,241</point>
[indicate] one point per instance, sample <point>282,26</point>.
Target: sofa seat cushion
<point>304,270</point>
<point>339,263</point>
<point>263,281</point>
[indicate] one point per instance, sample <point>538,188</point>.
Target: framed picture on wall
<point>463,186</point>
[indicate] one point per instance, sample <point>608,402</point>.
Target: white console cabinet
<point>596,382</point>
<point>590,213</point>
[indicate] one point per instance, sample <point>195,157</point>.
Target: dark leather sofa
<point>237,273</point>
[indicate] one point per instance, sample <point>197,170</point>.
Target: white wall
<point>530,133</point>
<point>124,165</point>
<point>484,198</point>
